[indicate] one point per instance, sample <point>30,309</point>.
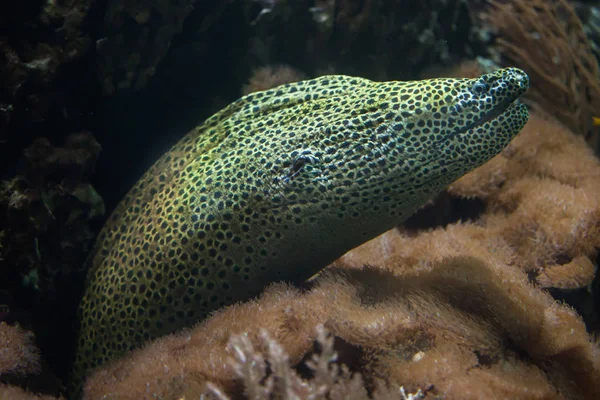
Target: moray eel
<point>275,187</point>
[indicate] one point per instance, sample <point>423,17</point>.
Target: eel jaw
<point>493,114</point>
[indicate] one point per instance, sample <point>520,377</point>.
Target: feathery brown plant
<point>546,38</point>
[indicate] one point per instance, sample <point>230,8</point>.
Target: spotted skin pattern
<point>276,186</point>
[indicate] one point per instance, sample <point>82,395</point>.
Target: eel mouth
<point>493,114</point>
<point>507,105</point>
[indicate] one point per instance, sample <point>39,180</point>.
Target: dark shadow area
<point>443,210</point>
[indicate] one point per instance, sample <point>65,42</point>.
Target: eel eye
<point>480,88</point>
<point>298,164</point>
<point>301,162</point>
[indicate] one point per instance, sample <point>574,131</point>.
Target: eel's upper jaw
<point>519,81</point>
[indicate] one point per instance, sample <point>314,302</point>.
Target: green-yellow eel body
<point>276,186</point>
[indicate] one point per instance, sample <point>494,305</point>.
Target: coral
<point>18,355</point>
<point>50,200</point>
<point>547,40</point>
<point>269,76</point>
<point>48,211</point>
<point>460,328</point>
<point>19,359</point>
<point>572,275</point>
<point>327,381</point>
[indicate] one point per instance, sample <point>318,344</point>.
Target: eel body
<point>275,187</point>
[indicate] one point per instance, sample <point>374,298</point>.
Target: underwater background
<point>489,291</point>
